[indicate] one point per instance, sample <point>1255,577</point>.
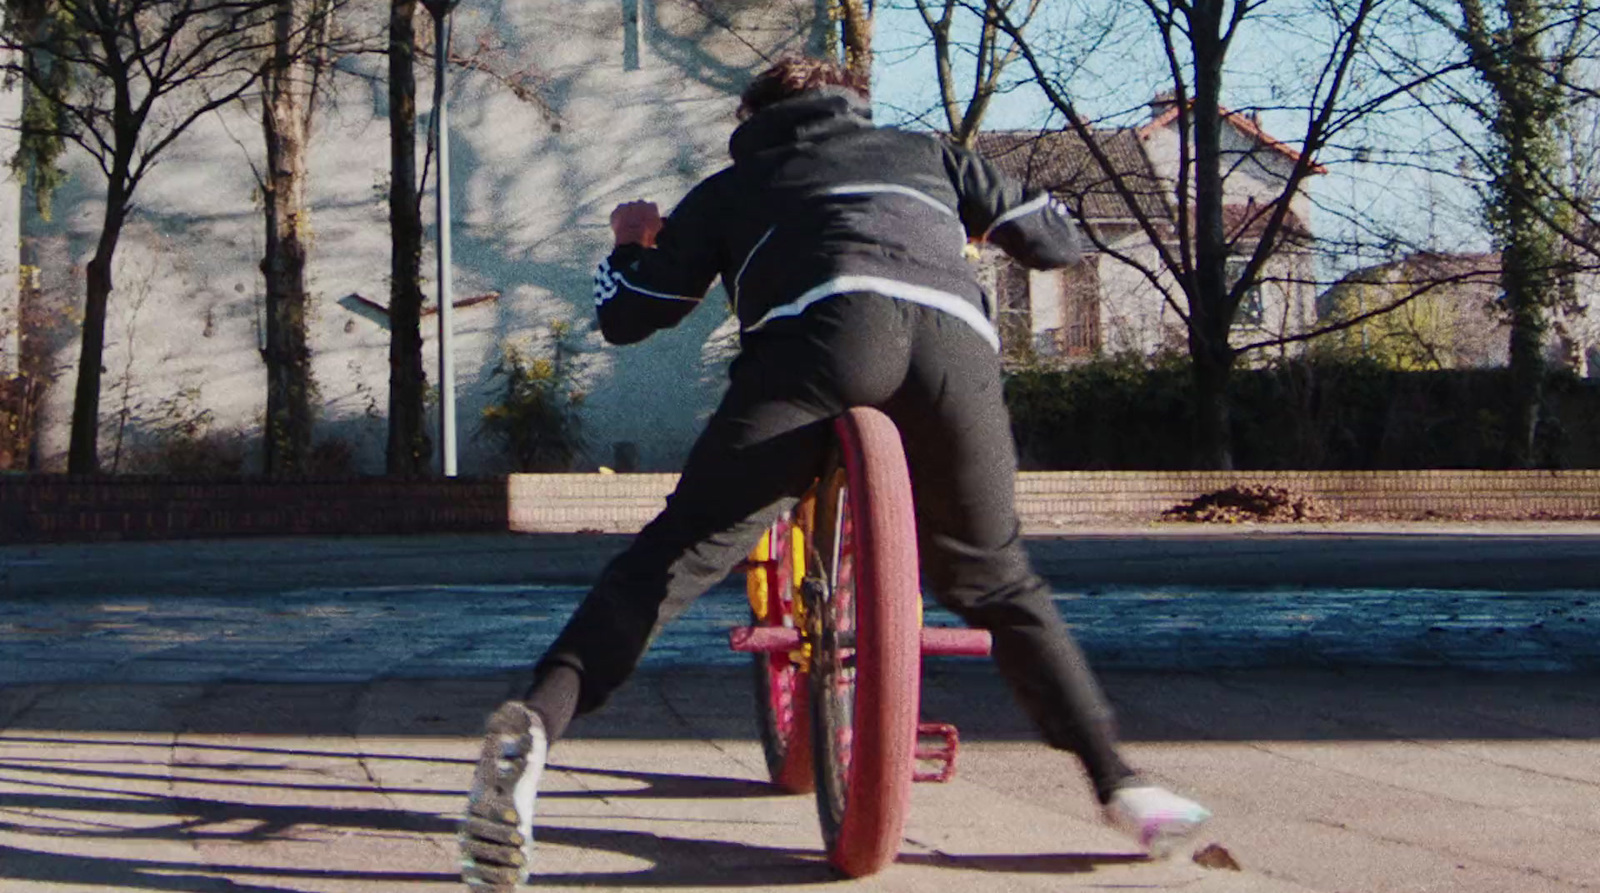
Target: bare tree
<point>1194,247</point>
<point>300,55</point>
<point>142,72</point>
<point>1579,184</point>
<point>306,44</point>
<point>409,445</point>
<point>963,33</point>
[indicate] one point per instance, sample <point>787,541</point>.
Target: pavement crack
<point>28,703</point>
<point>359,706</point>
<point>1455,855</point>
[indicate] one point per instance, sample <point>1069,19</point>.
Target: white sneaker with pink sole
<point>1160,820</point>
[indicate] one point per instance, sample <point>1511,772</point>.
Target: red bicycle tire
<point>783,696</point>
<point>863,829</point>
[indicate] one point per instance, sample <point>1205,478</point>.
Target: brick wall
<point>62,509</point>
<point>611,503</point>
<point>1050,499</point>
<point>1047,499</point>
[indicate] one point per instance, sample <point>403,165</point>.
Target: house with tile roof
<point>1120,299</point>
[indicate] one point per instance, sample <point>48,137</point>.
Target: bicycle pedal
<point>937,744</point>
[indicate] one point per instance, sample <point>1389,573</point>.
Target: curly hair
<point>792,75</point>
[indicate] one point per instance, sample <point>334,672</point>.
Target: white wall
<point>1134,316</point>
<point>530,202</point>
<point>10,216</point>
<point>1251,170</point>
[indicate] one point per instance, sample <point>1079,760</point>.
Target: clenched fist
<point>636,223</point>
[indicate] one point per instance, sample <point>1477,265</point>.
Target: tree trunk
<point>855,27</point>
<point>1529,249</point>
<point>1527,105</point>
<point>1527,382</point>
<point>1527,258</point>
<point>287,353</point>
<point>1211,369</point>
<point>83,451</point>
<point>408,447</point>
<point>1211,307</point>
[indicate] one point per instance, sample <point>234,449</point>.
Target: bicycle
<point>837,641</point>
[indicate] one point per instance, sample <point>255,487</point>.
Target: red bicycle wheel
<point>783,711</point>
<point>866,669</point>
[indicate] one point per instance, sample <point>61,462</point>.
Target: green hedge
<point>1302,414</point>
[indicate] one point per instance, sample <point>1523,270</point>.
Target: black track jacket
<point>819,202</point>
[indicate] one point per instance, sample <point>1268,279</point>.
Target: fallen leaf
<point>1215,855</point>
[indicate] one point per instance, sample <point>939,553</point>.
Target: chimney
<point>1162,102</point>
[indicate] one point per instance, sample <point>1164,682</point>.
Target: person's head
<point>792,75</point>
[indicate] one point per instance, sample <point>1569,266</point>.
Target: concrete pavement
<point>300,716</point>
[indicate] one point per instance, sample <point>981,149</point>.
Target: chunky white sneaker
<point>1160,820</point>
<point>496,835</point>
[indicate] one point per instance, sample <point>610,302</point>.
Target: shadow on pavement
<point>128,816</point>
<point>23,866</point>
<point>23,770</point>
<point>1012,863</point>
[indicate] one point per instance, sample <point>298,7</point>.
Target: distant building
<point>1450,314</point>
<point>1107,304</point>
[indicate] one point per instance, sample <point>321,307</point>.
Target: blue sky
<point>1270,57</point>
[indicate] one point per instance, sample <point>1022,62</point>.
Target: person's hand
<point>636,223</point>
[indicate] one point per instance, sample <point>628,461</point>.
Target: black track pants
<point>940,383</point>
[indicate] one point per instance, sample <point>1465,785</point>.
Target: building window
<point>1251,312</point>
<point>1079,335</point>
<point>1014,312</point>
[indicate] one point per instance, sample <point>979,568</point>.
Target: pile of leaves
<point>1236,504</point>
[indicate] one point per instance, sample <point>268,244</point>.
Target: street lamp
<point>440,10</point>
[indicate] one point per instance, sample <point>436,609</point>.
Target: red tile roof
<point>1062,163</point>
<point>1246,124</point>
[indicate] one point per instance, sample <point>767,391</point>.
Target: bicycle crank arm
<point>763,639</point>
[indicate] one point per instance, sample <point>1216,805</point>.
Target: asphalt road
<point>1513,557</point>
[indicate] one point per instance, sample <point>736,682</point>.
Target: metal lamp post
<point>440,10</point>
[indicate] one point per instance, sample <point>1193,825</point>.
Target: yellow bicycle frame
<point>756,585</point>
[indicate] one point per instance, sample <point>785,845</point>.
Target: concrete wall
<point>640,96</point>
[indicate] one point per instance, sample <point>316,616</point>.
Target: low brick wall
<point>613,503</point>
<point>1051,499</point>
<point>47,508</point>
<point>55,508</point>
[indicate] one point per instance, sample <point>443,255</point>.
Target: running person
<point>840,246</point>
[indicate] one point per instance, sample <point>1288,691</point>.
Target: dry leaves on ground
<point>1250,503</point>
<point>1215,855</point>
